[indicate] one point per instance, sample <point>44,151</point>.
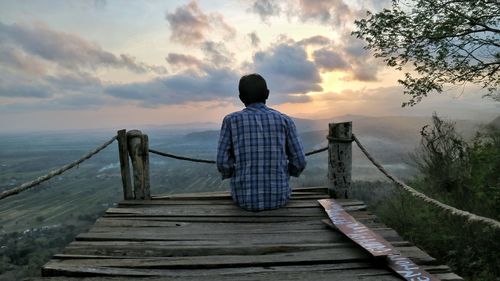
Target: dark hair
<point>253,88</point>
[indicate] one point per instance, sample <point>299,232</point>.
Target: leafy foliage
<point>462,174</point>
<point>444,41</point>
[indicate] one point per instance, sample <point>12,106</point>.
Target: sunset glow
<point>111,64</point>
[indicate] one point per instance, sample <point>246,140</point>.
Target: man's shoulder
<point>232,115</point>
<point>280,114</point>
<point>275,113</point>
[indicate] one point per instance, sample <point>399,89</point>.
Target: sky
<point>78,64</point>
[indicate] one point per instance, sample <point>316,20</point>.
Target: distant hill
<point>389,138</point>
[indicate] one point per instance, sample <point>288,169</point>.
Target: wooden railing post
<point>124,165</point>
<point>339,159</point>
<point>138,150</point>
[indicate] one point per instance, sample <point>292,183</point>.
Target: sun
<point>336,81</point>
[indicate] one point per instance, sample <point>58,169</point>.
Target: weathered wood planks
<point>193,236</point>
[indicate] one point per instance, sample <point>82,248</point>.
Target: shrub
<point>462,174</point>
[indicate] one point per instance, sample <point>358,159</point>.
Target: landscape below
<point>40,222</point>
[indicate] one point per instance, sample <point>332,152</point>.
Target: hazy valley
<point>55,211</point>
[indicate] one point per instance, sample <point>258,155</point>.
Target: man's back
<point>259,150</point>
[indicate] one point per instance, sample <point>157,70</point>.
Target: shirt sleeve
<point>294,151</point>
<point>225,153</point>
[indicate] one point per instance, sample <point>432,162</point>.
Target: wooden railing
<point>133,147</point>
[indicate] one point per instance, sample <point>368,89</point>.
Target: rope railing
<point>181,157</point>
<point>452,210</point>
<point>54,173</point>
<point>170,155</point>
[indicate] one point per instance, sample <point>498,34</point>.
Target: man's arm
<point>225,154</point>
<point>294,151</point>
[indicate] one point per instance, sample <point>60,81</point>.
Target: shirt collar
<point>257,106</point>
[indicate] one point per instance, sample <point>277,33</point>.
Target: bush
<point>462,174</point>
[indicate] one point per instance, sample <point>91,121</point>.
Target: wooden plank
<point>330,255</point>
<point>227,228</point>
<point>169,231</point>
<point>215,211</point>
<point>319,189</point>
<point>291,203</point>
<point>359,275</point>
<point>226,195</point>
<point>301,206</point>
<point>212,219</point>
<point>249,241</point>
<point>200,195</point>
<point>375,244</point>
<point>134,222</point>
<point>336,271</point>
<point>217,228</point>
<point>356,231</point>
<point>152,222</point>
<point>126,249</point>
<point>252,238</point>
<point>340,271</point>
<point>408,269</point>
<point>218,219</point>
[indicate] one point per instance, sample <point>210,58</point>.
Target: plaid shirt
<point>259,150</point>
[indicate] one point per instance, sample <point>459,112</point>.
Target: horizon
<point>108,64</point>
<point>213,126</point>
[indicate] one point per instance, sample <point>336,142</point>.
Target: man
<point>259,150</point>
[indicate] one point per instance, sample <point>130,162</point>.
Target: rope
<point>454,211</point>
<point>212,161</point>
<point>54,173</point>
<point>316,151</point>
<point>181,157</point>
<point>339,139</point>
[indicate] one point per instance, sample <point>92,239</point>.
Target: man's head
<point>253,88</point>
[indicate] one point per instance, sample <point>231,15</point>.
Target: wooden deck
<point>204,236</point>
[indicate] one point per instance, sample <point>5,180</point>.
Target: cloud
<point>18,86</point>
<point>265,9</point>
<point>140,67</point>
<point>73,103</point>
<point>213,84</point>
<point>37,62</point>
<point>354,47</point>
<point>335,13</point>
<point>329,60</point>
<point>331,12</point>
<point>26,90</point>
<point>76,82</point>
<point>288,71</point>
<point>365,73</point>
<point>17,59</point>
<point>65,49</point>
<point>364,66</point>
<point>189,24</point>
<point>216,53</point>
<point>184,60</point>
<point>254,39</point>
<point>318,40</point>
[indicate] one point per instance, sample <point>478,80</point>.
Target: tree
<point>443,42</point>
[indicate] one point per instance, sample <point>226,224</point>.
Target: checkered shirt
<point>259,150</point>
